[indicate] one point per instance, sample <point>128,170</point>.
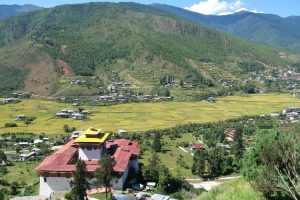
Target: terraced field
<point>141,116</point>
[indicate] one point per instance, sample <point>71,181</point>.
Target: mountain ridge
<point>260,27</point>
<point>15,9</point>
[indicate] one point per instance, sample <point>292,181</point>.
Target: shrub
<point>10,124</point>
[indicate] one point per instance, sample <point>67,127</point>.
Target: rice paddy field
<point>140,116</point>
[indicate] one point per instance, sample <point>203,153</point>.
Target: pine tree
<point>156,145</point>
<point>105,173</point>
<point>79,184</point>
<point>199,159</point>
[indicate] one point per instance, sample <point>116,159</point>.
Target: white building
<point>56,170</point>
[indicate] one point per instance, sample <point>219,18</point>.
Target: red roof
<point>60,160</point>
<point>198,147</point>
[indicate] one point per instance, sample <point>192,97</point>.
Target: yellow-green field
<point>141,116</point>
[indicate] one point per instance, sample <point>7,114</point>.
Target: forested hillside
<point>127,42</point>
<point>265,28</point>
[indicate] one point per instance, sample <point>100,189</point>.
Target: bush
<point>10,124</point>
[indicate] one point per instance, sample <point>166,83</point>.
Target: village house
<point>230,136</point>
<point>194,148</point>
<point>56,171</point>
<point>20,118</point>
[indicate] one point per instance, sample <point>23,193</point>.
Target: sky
<point>283,8</point>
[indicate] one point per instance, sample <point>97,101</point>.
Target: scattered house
<point>76,134</point>
<point>23,144</point>
<point>194,148</point>
<point>20,118</point>
<point>122,132</point>
<point>78,116</point>
<point>211,100</point>
<point>62,115</point>
<point>38,141</point>
<point>296,94</point>
<point>56,171</point>
<point>150,185</point>
<point>45,139</point>
<point>230,136</point>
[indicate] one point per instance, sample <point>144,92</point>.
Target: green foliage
<point>251,66</point>
<point>79,184</point>
<point>10,124</point>
<point>156,145</point>
<point>3,157</point>
<point>11,78</point>
<point>105,173</point>
<point>272,165</point>
<point>151,170</point>
<point>199,159</point>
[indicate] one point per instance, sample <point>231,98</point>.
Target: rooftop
<point>64,160</point>
<point>92,135</point>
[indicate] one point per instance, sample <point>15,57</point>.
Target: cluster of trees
<point>251,66</point>
<point>212,162</point>
<point>11,78</point>
<point>272,164</point>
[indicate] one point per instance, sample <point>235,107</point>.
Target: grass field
<point>141,116</point>
<point>233,190</point>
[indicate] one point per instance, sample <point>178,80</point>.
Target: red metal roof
<point>198,147</point>
<point>59,161</point>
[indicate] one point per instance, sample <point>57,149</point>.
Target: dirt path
<point>208,185</point>
<point>233,114</point>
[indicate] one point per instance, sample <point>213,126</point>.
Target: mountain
<point>14,10</point>
<point>103,43</point>
<point>266,28</point>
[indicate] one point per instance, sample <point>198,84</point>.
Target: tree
<point>164,177</point>
<point>105,173</point>
<point>18,148</point>
<point>151,170</point>
<point>198,166</point>
<point>272,165</point>
<point>238,147</point>
<point>156,145</point>
<point>3,157</point>
<point>79,184</point>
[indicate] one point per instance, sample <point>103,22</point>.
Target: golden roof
<point>92,135</point>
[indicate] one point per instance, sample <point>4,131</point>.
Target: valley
<point>135,117</point>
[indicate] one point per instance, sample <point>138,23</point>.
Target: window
<point>45,179</point>
<point>89,148</point>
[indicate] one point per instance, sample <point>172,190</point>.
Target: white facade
<point>49,185</point>
<point>92,154</point>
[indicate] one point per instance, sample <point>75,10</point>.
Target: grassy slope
<point>234,190</point>
<point>142,116</point>
<point>137,41</point>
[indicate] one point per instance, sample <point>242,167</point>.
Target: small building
<point>122,132</point>
<point>194,148</point>
<point>20,118</point>
<point>211,100</point>
<point>78,116</point>
<point>62,115</point>
<point>76,134</point>
<point>38,141</point>
<point>150,185</point>
<point>23,144</point>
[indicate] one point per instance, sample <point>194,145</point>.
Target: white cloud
<point>218,7</point>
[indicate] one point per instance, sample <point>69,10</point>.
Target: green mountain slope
<point>127,42</point>
<point>266,28</point>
